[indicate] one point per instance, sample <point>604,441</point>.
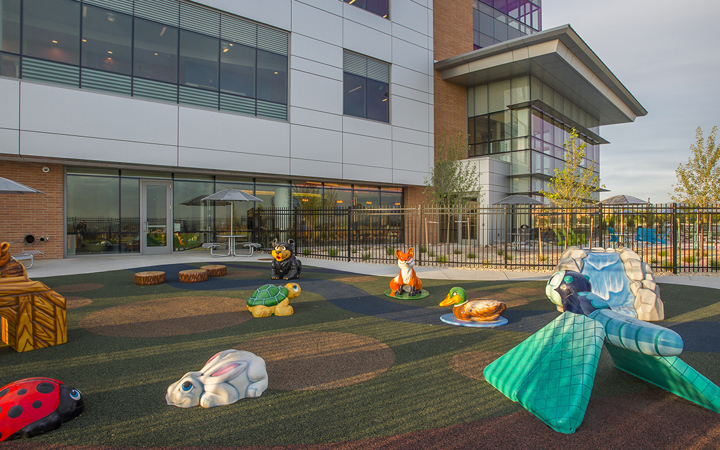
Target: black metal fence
<point>669,237</point>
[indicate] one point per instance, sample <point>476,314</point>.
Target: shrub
<point>441,258</point>
<point>662,253</point>
<point>542,258</point>
<point>389,251</point>
<point>500,252</point>
<point>689,259</point>
<point>423,249</point>
<point>471,255</point>
<point>306,252</point>
<point>508,257</point>
<point>457,252</point>
<point>715,264</point>
<point>366,256</point>
<point>431,253</point>
<point>332,252</point>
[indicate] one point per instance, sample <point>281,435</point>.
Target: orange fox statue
<point>407,281</point>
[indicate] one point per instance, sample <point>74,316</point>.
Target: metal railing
<point>669,237</point>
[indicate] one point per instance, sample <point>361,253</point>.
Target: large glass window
<point>156,51</point>
<point>93,213</point>
<point>354,99</point>
<point>271,76</point>
<point>198,60</point>
<point>51,30</point>
<point>366,87</point>
<point>10,26</point>
<point>106,40</point>
<point>379,7</point>
<point>237,69</point>
<point>243,65</point>
<point>9,38</point>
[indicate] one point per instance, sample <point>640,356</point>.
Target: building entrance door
<point>156,235</point>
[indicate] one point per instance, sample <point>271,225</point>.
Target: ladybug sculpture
<point>33,406</point>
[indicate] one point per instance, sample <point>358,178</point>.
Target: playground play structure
<point>32,315</point>
<point>551,374</point>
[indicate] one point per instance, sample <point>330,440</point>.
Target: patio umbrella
<point>623,200</point>
<point>514,200</point>
<point>232,195</point>
<point>518,200</point>
<point>13,187</point>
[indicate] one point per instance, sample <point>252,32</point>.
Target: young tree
<point>452,183</point>
<point>573,185</point>
<point>698,181</point>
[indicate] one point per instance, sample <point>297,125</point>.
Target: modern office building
<point>125,111</point>
<point>525,90</point>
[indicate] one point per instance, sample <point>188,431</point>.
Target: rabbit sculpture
<point>226,378</point>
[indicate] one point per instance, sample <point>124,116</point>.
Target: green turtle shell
<point>268,295</point>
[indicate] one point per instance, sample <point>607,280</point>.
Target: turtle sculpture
<point>269,299</point>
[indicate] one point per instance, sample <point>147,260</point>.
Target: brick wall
<point>453,35</point>
<point>37,214</point>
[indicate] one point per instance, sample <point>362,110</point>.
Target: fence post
<point>419,227</point>
<point>349,235</point>
<point>676,238</point>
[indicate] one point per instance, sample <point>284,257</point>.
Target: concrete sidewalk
<point>104,263</point>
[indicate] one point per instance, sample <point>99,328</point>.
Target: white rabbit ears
<point>225,368</point>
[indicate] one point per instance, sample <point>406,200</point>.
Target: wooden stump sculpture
<point>193,275</point>
<point>149,278</point>
<point>216,270</point>
<point>32,315</point>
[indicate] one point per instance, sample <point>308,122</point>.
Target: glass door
<point>155,217</point>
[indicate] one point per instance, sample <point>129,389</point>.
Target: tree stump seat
<point>216,270</point>
<point>149,278</point>
<point>193,275</point>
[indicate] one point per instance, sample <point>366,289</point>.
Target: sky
<point>667,54</point>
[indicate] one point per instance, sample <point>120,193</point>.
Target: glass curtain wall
<point>103,206</point>
<point>10,38</point>
<point>529,138</point>
<point>175,52</point>
<point>496,21</point>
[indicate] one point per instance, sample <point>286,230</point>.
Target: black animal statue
<point>284,264</point>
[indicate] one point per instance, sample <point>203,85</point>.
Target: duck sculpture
<point>472,310</point>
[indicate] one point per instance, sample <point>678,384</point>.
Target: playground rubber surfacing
<point>351,368</point>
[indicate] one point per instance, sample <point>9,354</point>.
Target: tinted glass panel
<point>129,215</point>
<point>198,60</point>
<point>237,69</point>
<point>379,7</point>
<point>377,101</point>
<point>10,26</point>
<point>271,77</point>
<point>93,214</point>
<point>354,98</point>
<point>51,30</point>
<point>106,40</point>
<point>155,51</point>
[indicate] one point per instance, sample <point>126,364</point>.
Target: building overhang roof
<point>559,58</point>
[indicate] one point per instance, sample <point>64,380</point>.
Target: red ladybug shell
<point>29,400</point>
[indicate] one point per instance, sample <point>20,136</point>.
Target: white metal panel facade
<point>317,141</point>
